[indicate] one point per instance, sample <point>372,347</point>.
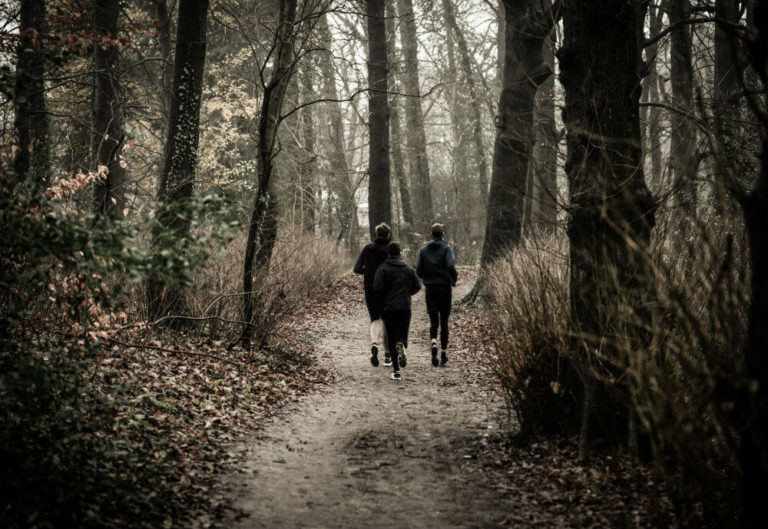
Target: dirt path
<point>368,452</point>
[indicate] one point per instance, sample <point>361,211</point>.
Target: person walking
<point>436,269</point>
<point>371,257</point>
<point>395,282</point>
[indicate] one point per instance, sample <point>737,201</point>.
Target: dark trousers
<point>397,323</point>
<point>439,308</point>
<point>372,302</point>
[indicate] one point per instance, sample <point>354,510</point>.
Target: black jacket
<point>435,264</point>
<point>370,259</point>
<point>395,283</point>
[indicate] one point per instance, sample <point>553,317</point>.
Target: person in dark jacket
<point>436,269</point>
<point>394,284</point>
<point>371,257</point>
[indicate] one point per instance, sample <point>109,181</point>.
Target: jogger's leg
<point>434,321</point>
<point>444,328</point>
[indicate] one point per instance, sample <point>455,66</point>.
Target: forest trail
<point>369,452</point>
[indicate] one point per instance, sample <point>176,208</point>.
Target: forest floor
<point>432,450</point>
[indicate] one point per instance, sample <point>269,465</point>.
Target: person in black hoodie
<point>436,269</point>
<point>371,257</point>
<point>395,282</point>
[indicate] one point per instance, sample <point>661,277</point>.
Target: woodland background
<point>180,179</point>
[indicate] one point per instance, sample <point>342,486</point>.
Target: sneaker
<point>396,376</point>
<point>375,355</point>
<point>401,358</point>
<point>434,354</point>
<point>443,358</point>
<point>387,359</point>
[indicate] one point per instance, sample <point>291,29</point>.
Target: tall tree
<point>682,156</point>
<point>527,27</point>
<point>337,155</point>
<point>473,90</point>
<point>164,44</point>
<point>379,187</point>
<point>544,167</point>
<point>306,186</point>
<point>29,105</point>
<point>108,133</point>
<point>414,119</point>
<point>180,157</point>
<point>611,210</point>
<point>653,85</point>
<point>398,163</point>
<point>262,230</point>
<point>754,405</point>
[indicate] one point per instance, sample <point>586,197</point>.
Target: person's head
<point>438,230</point>
<point>393,249</point>
<point>383,230</point>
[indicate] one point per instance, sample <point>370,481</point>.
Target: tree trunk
<point>474,99</point>
<point>307,183</point>
<point>611,210</point>
<point>525,68</point>
<point>754,415</point>
<point>337,155</point>
<point>545,148</point>
<point>30,111</point>
<point>682,155</point>
<point>394,125</point>
<point>177,179</point>
<point>651,117</point>
<point>262,230</point>
<point>414,119</point>
<point>379,187</point>
<point>108,133</point>
<point>164,42</point>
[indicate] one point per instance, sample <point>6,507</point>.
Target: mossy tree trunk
<point>180,158</point>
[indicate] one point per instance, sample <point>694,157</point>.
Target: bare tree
<point>108,133</point>
<point>379,187</point>
<point>414,119</point>
<point>29,105</point>
<point>262,230</point>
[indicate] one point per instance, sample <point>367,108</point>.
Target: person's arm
<point>451,268</point>
<point>419,266</point>
<point>378,280</point>
<point>415,283</point>
<point>359,267</point>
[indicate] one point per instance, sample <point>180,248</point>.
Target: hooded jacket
<point>435,264</point>
<point>395,283</point>
<point>371,257</point>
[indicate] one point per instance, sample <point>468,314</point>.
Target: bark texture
<point>180,158</point>
<point>108,134</point>
<point>379,187</point>
<point>29,106</point>
<point>545,149</point>
<point>611,210</point>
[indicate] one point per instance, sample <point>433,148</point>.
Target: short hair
<point>438,230</point>
<point>383,230</point>
<point>393,249</point>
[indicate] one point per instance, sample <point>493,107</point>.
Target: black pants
<point>372,302</point>
<point>439,308</point>
<point>397,323</point>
